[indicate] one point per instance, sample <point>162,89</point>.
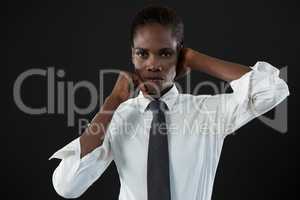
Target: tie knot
<point>157,105</point>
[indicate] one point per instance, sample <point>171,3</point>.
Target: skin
<point>154,54</point>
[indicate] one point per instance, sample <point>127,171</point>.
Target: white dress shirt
<point>197,126</point>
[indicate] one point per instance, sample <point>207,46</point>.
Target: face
<point>154,55</point>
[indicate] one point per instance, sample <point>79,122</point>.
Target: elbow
<point>280,92</point>
<point>264,101</point>
<point>66,193</point>
<point>65,188</point>
<point>284,89</point>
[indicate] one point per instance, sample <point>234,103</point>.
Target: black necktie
<point>158,179</point>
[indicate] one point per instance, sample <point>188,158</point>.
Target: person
<point>196,124</point>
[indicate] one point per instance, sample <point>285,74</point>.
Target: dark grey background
<point>84,37</point>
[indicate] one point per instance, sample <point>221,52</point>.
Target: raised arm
<point>84,159</point>
<point>256,89</point>
<point>215,67</point>
<point>93,136</point>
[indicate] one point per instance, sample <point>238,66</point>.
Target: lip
<point>154,78</point>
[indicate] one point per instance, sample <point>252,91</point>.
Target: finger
<point>140,83</point>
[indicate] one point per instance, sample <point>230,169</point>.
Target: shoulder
<point>126,109</point>
<point>187,98</point>
<point>130,104</point>
<point>205,101</point>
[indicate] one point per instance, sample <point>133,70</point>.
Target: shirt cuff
<point>73,149</point>
<point>263,76</point>
<point>70,154</point>
<point>260,89</point>
<point>261,70</point>
<point>70,149</point>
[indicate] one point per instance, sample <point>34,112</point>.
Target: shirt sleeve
<point>74,175</point>
<point>254,94</point>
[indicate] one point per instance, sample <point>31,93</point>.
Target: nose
<point>153,64</point>
<point>153,68</point>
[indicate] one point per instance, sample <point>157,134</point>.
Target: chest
<point>189,143</point>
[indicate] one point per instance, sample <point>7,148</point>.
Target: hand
<point>182,69</point>
<point>125,86</point>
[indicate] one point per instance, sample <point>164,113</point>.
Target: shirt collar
<point>169,98</point>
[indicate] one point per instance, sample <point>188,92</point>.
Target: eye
<point>166,54</point>
<point>142,54</point>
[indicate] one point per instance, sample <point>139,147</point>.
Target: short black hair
<point>163,15</point>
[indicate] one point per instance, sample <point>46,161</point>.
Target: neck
<point>164,91</point>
